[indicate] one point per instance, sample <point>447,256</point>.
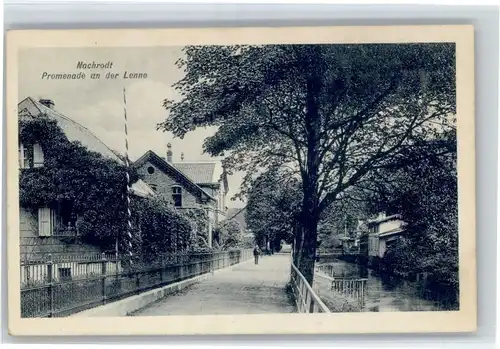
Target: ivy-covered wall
<point>91,186</point>
<point>94,189</point>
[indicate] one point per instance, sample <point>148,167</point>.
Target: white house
<point>383,232</point>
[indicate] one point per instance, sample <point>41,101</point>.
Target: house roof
<point>72,129</point>
<point>171,170</point>
<point>198,172</point>
<point>384,219</point>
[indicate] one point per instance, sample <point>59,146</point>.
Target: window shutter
<point>21,155</point>
<point>45,223</point>
<point>37,155</point>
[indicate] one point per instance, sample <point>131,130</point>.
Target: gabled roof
<point>172,171</point>
<point>72,129</point>
<point>204,173</point>
<point>198,172</point>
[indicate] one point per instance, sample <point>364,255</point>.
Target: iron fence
<point>58,287</point>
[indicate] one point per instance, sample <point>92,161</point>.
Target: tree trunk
<point>309,218</point>
<point>308,251</point>
<point>297,245</point>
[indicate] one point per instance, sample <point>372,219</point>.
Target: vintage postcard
<point>293,180</point>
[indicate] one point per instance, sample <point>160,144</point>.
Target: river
<point>385,294</point>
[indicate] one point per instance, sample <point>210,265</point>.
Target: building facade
<point>383,231</point>
<point>187,185</point>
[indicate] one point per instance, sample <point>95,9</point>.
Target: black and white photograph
<point>237,178</point>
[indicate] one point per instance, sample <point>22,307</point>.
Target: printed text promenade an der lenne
<point>95,71</point>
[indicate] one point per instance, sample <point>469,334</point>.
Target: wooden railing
<point>306,300</point>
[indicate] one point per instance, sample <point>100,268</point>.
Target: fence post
<point>181,270</point>
<point>137,280</point>
<point>103,276</point>
<point>311,304</point>
<point>50,279</point>
<point>162,266</point>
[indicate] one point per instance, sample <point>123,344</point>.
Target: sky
<point>98,103</point>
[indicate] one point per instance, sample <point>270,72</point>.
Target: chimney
<point>169,152</point>
<point>49,103</point>
<point>182,156</point>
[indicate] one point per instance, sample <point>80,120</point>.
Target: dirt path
<point>245,289</point>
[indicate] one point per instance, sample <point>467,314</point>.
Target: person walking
<point>256,253</point>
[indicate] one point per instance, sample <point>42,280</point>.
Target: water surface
<point>386,293</point>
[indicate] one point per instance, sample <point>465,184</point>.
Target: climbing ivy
<point>93,188</point>
<point>199,222</point>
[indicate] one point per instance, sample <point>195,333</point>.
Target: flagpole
<point>127,165</point>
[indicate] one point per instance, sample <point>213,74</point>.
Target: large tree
<point>273,202</point>
<point>331,112</point>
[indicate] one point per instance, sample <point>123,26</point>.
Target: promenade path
<point>245,288</point>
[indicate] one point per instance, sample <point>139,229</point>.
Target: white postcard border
<point>464,320</point>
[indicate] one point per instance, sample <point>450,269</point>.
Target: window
<point>65,218</point>
<point>30,155</point>
<point>46,220</point>
<point>25,156</point>
<point>37,155</point>
<point>151,170</point>
<point>177,196</point>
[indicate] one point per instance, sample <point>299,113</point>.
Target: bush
<point>199,221</point>
<point>163,229</point>
<point>228,235</point>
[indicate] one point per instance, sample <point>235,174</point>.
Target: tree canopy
<point>273,203</point>
<point>425,194</point>
<point>331,113</point>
